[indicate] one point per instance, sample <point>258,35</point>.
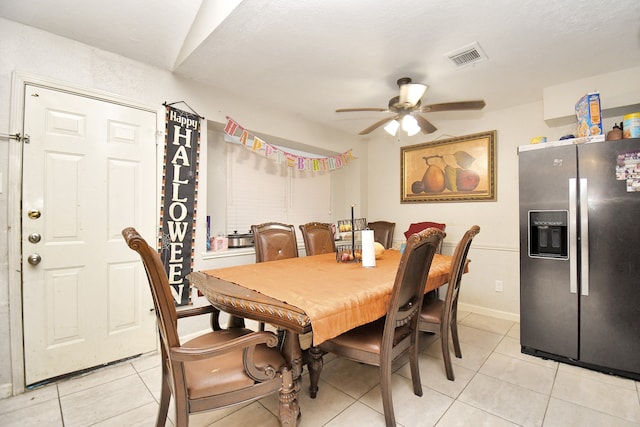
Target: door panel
<point>90,170</point>
<point>610,313</point>
<point>61,289</point>
<point>61,193</point>
<point>548,310</point>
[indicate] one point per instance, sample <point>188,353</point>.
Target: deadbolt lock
<point>34,214</point>
<point>34,237</point>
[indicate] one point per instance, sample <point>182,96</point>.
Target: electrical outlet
<point>499,286</point>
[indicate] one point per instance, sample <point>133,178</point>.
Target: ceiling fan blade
<point>376,125</point>
<point>453,106</point>
<point>347,110</point>
<point>425,125</point>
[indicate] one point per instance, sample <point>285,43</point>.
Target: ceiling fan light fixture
<point>407,108</point>
<point>413,131</point>
<point>411,93</point>
<point>410,125</point>
<point>392,127</point>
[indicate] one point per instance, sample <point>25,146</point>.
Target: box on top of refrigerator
<point>589,115</point>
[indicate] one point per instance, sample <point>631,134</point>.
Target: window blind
<point>261,190</point>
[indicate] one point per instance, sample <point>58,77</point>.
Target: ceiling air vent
<point>467,55</point>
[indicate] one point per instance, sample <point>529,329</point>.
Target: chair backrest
<point>419,226</point>
<point>383,232</point>
<point>318,238</point>
<point>416,227</point>
<point>274,241</point>
<point>160,288</point>
<point>411,278</point>
<point>458,264</point>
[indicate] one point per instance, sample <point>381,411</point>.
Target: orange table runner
<point>335,296</point>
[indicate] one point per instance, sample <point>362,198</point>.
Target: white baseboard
<point>6,390</point>
<point>514,317</point>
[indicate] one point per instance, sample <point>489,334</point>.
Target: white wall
<point>31,51</point>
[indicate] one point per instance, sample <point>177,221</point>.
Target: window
<point>258,190</point>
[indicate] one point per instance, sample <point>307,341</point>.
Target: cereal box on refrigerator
<point>589,115</point>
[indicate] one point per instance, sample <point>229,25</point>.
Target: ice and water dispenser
<point>548,234</point>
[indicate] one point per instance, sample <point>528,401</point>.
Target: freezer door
<point>548,307</point>
<point>610,312</point>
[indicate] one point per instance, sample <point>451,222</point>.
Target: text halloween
<point>179,195</point>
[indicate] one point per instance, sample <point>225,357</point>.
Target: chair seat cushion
<point>228,368</point>
<point>367,338</point>
<point>432,310</point>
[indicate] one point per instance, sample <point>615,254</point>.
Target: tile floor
<point>495,385</point>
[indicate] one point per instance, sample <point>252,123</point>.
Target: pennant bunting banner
<point>231,127</point>
<point>243,137</point>
<point>257,144</point>
<point>301,163</point>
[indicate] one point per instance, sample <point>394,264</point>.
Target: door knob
<point>34,237</point>
<point>34,259</point>
<point>33,213</point>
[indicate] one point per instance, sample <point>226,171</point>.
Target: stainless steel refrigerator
<point>580,254</point>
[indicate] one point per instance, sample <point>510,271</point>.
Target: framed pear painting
<point>459,169</point>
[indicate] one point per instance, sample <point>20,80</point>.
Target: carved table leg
<point>292,353</point>
<point>315,365</point>
<point>289,409</point>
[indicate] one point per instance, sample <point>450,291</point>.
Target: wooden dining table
<point>309,294</point>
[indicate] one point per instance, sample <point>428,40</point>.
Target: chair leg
<point>165,398</point>
<point>281,335</point>
<point>415,369</point>
<point>444,336</point>
<point>215,320</point>
<point>165,390</point>
<point>181,405</point>
<point>182,415</point>
<point>385,388</point>
<point>454,336</point>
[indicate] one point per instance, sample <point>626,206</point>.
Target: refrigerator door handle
<point>573,236</point>
<point>584,237</point>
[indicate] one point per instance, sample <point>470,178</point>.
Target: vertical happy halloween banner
<point>179,200</point>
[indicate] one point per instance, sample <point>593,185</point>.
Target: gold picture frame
<point>459,169</point>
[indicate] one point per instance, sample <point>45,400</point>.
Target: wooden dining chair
<point>381,342</point>
<point>216,369</point>
<point>442,316</point>
<point>274,241</point>
<point>318,238</point>
<point>416,227</point>
<point>383,232</point>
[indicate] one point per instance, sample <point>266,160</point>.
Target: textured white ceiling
<point>311,57</point>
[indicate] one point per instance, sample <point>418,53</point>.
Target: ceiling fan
<point>407,108</point>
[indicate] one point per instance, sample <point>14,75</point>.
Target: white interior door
<point>89,170</point>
